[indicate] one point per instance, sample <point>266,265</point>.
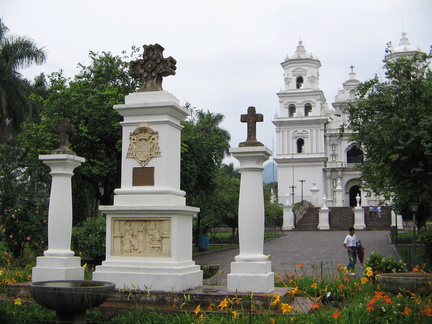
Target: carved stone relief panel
<point>143,237</point>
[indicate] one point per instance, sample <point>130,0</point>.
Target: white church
<point>314,163</point>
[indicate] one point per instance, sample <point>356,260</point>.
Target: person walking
<point>350,243</point>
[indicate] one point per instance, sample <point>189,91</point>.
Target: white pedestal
<point>251,272</point>
<point>359,219</point>
<point>323,220</point>
<point>149,228</point>
<point>58,262</point>
<point>288,218</point>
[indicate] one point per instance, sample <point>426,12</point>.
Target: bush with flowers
<point>25,228</point>
<point>380,264</point>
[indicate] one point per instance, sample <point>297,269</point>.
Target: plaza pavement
<point>319,251</point>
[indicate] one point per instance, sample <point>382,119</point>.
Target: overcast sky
<point>228,52</point>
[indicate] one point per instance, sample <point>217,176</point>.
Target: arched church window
<point>307,109</point>
<point>354,155</point>
<point>291,110</point>
<point>300,145</point>
<point>299,82</point>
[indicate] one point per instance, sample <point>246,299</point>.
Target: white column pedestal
<point>288,218</point>
<point>251,272</point>
<point>58,262</point>
<point>359,219</point>
<point>323,220</point>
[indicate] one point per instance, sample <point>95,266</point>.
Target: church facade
<point>314,162</point>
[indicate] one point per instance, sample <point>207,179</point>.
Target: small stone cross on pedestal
<point>64,128</point>
<point>251,118</point>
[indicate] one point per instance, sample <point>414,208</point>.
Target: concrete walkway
<point>319,251</point>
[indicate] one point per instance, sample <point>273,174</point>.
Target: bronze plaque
<point>143,176</point>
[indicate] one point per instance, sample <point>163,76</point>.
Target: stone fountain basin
<point>415,282</point>
<point>71,295</point>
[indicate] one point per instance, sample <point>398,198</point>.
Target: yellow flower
<point>197,310</point>
<point>277,299</point>
<point>364,280</point>
<point>223,304</point>
<point>1,272</point>
<point>369,273</point>
<point>278,277</point>
<point>293,291</point>
<point>235,314</point>
<point>272,321</point>
<point>17,301</point>
<point>314,285</point>
<point>286,308</point>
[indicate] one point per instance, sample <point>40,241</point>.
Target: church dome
<point>404,45</point>
<point>301,52</point>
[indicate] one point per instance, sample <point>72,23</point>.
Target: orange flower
<point>336,314</point>
<point>314,285</point>
<point>300,265</point>
<point>286,308</point>
<point>210,307</point>
<point>341,286</point>
<point>315,306</point>
<point>407,311</point>
<point>278,277</point>
<point>370,306</point>
<point>272,321</point>
<point>364,280</point>
<point>387,299</point>
<point>427,311</point>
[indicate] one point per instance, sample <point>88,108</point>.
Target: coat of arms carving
<point>143,144</point>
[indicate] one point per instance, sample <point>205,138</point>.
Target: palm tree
<point>15,52</point>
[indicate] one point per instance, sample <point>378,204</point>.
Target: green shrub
<point>425,235</point>
<point>89,239</point>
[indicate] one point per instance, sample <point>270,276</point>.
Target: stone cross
<point>64,129</point>
<point>251,118</point>
<point>152,68</point>
<point>352,68</point>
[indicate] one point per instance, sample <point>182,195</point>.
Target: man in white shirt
<point>350,244</point>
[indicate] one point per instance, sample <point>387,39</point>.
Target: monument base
<point>359,222</point>
<point>170,277</point>
<point>57,268</point>
<point>246,277</point>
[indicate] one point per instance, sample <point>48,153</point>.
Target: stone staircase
<point>342,218</point>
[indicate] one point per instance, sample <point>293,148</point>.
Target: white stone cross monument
<point>59,262</point>
<point>149,227</point>
<point>251,271</point>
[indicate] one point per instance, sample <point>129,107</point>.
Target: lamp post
<point>302,181</point>
<point>414,206</point>
<point>292,193</point>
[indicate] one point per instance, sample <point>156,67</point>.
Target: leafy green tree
<point>204,145</point>
<point>391,120</point>
<point>87,101</point>
<point>15,53</point>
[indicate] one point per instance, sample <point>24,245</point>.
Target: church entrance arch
<point>353,192</point>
